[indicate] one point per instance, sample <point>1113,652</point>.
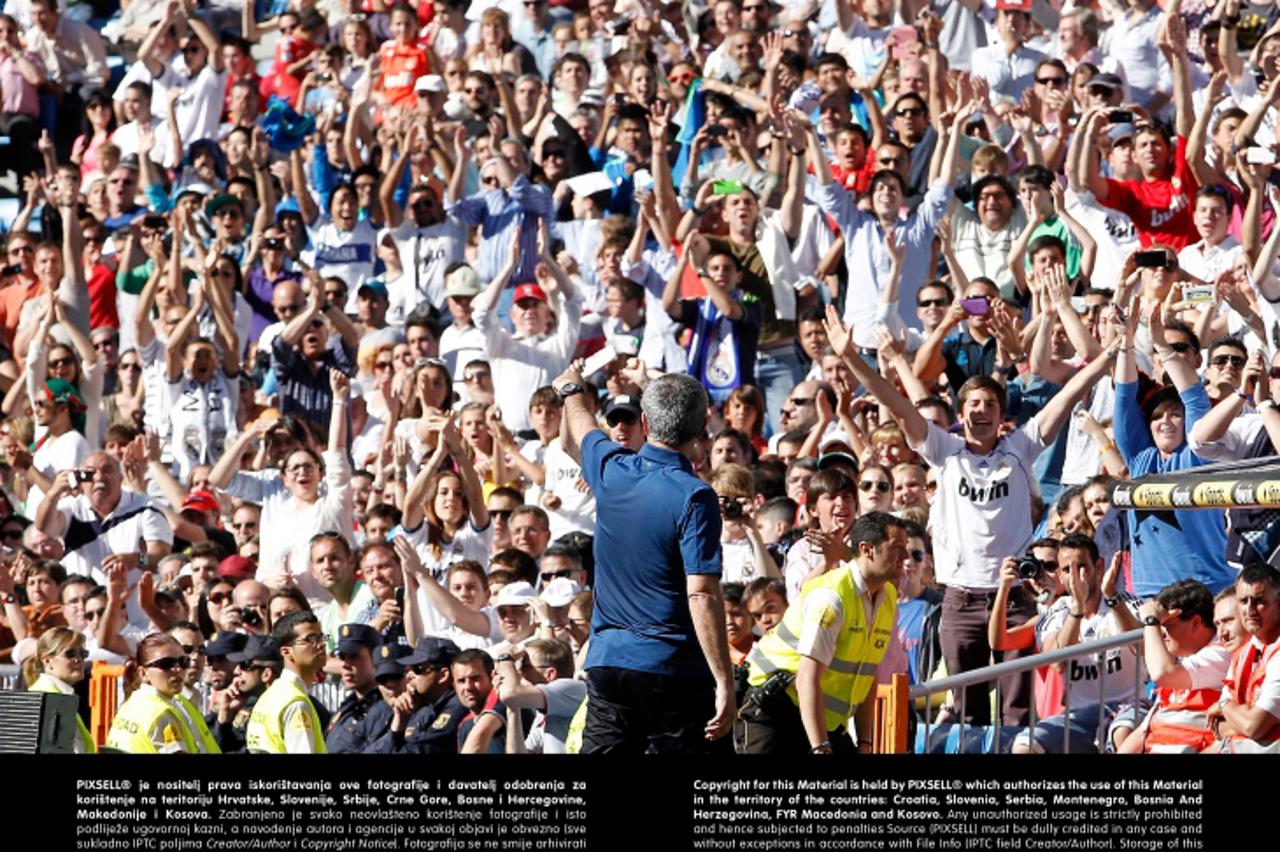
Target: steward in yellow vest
<point>283,719</point>
<point>150,723</point>
<point>814,671</point>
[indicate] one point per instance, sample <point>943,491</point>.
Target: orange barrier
<point>892,703</point>
<point>104,697</point>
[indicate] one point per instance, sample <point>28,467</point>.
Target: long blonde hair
<point>51,643</point>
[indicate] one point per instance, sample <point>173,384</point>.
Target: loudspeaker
<point>37,723</point>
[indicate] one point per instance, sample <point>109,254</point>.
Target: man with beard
<point>189,638</point>
<point>479,732</point>
<point>426,715</point>
<point>356,643</point>
<point>229,703</point>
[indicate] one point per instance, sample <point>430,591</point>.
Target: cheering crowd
<point>641,375</point>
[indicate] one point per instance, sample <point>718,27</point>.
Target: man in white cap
<point>515,621</point>
<point>461,343</point>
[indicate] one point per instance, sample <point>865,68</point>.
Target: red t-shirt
<point>281,82</point>
<point>401,67</point>
<point>1161,210</point>
<point>102,297</point>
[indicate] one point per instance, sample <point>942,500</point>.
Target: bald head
<point>913,76</point>
<point>250,593</point>
<point>287,299</point>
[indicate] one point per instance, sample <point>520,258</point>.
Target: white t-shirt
<point>577,511</point>
<point>199,109</point>
<point>425,254</point>
<point>1083,672</point>
<point>1112,230</point>
<point>349,255</point>
<point>551,727</point>
<point>982,512</point>
<point>738,561</point>
<point>202,418</point>
<point>66,451</point>
<point>468,543</point>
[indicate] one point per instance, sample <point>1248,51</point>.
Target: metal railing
<point>958,683</point>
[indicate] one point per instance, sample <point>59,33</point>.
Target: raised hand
<point>840,338</point>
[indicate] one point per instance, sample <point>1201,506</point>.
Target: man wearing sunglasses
<point>284,720</point>
<point>356,645</point>
<point>425,717</point>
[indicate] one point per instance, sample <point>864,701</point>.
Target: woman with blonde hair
<point>57,666</point>
<point>150,721</point>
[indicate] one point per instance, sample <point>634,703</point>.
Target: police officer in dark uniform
<point>356,643</point>
<point>230,702</point>
<point>390,677</point>
<point>424,719</point>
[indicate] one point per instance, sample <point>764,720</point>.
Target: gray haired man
<point>658,671</point>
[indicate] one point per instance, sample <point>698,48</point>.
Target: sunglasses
<point>910,112</point>
<point>501,514</point>
<point>384,365</point>
<point>59,363</point>
<point>168,664</point>
<point>92,614</point>
<point>76,654</point>
<point>1236,361</point>
<point>548,576</point>
<point>1181,347</point>
<point>422,668</point>
<point>253,667</point>
<point>1055,82</point>
<point>217,599</point>
<point>933,303</point>
<point>315,640</point>
<point>867,485</point>
<point>1274,373</point>
<point>131,366</point>
<point>476,377</point>
<point>916,555</point>
<point>193,650</point>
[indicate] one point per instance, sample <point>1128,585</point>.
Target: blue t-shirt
<point>656,523</point>
<point>1169,545</point>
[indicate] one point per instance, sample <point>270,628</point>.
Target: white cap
<point>518,593</point>
<point>430,83</point>
<point>559,592</point>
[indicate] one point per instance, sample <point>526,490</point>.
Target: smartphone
<point>1260,156</point>
<point>726,187</point>
<point>1078,304</point>
<point>12,269</point>
<point>599,361</point>
<point>154,222</point>
<point>1120,116</point>
<point>1153,259</point>
<point>1198,295</point>
<point>976,307</point>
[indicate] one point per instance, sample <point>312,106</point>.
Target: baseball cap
<point>1013,5</point>
<point>1106,81</point>
<point>621,402</point>
<point>462,283</point>
<point>433,83</point>
<point>518,593</point>
<point>237,567</point>
<point>256,648</point>
<point>219,201</point>
<point>530,291</point>
<point>433,651</point>
<point>374,285</point>
<point>1117,132</point>
<point>200,501</point>
<point>386,660</point>
<point>201,189</point>
<point>353,637</point>
<point>560,592</point>
<point>225,642</point>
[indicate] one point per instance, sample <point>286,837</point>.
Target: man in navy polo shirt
<point>658,671</point>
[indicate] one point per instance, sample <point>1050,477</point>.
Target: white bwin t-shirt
<point>982,512</point>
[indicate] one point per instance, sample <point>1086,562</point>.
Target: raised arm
<point>458,613</point>
<point>913,424</point>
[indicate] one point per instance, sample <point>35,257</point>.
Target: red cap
<point>1013,6</point>
<point>237,568</point>
<point>530,291</point>
<point>200,501</point>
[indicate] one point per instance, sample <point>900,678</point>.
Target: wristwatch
<point>8,598</point>
<point>823,747</point>
<point>568,389</point>
<point>1150,621</point>
<point>503,658</point>
<point>1112,601</point>
<point>1268,403</point>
